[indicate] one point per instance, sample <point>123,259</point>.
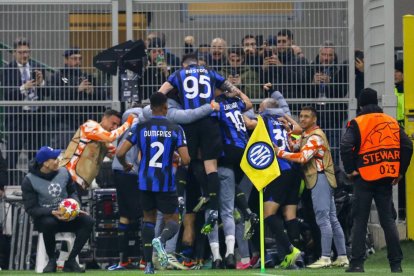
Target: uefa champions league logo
<point>54,189</point>
<point>260,155</point>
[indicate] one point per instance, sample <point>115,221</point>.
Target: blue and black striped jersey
<point>279,137</point>
<point>157,140</point>
<point>195,85</point>
<point>232,125</point>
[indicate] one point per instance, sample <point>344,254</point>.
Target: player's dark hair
<point>311,109</point>
<point>158,100</point>
<point>190,57</point>
<point>112,112</point>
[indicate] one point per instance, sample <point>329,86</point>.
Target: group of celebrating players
<point>190,142</point>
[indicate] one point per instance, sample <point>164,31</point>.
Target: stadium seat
<point>41,256</point>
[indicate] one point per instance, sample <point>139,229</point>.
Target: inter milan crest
<point>260,155</point>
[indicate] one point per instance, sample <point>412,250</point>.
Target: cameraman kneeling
<point>44,187</point>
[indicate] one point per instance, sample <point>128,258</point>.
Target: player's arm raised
<point>96,132</point>
<point>232,91</point>
<point>165,88</point>
<point>246,100</point>
<point>250,123</point>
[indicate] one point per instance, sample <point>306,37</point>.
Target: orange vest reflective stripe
<point>379,151</point>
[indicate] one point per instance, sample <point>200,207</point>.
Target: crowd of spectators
<point>277,60</point>
<point>258,66</point>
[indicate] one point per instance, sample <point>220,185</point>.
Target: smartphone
<point>259,40</point>
<point>235,72</point>
<point>359,54</point>
<point>33,74</point>
<point>267,53</point>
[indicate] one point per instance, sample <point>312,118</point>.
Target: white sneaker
<point>321,263</point>
<point>173,263</point>
<point>162,255</point>
<point>341,261</point>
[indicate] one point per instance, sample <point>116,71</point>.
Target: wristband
<point>212,105</point>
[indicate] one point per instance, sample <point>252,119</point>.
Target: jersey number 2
<point>153,162</point>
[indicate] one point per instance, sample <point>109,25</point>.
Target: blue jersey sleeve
<point>133,135</point>
<point>172,79</point>
<point>219,79</point>
<point>221,112</point>
<point>241,104</point>
<point>181,140</point>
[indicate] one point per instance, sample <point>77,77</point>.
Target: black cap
<point>71,51</point>
<point>399,66</point>
<point>368,96</point>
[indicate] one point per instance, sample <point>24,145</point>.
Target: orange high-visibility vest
<point>379,151</point>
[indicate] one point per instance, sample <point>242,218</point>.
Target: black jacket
<point>352,139</point>
<point>15,118</point>
<point>30,198</point>
<point>12,79</point>
<point>338,85</point>
<point>290,77</point>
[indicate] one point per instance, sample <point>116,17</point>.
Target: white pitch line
<point>266,273</point>
<point>184,273</point>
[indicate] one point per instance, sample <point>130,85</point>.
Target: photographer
<point>43,188</point>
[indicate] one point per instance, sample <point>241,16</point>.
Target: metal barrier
<point>238,38</point>
<point>44,106</point>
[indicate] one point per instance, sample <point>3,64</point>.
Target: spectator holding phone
<point>285,70</point>
<point>22,80</point>
<point>243,77</point>
<point>359,75</point>
<point>158,69</point>
<point>71,83</point>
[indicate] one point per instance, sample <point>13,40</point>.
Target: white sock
<point>230,241</point>
<point>215,250</point>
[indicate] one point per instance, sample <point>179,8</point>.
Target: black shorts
<point>165,202</point>
<point>231,159</point>
<point>204,135</point>
<point>127,194</point>
<point>284,190</point>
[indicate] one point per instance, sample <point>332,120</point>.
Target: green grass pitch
<point>376,264</point>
